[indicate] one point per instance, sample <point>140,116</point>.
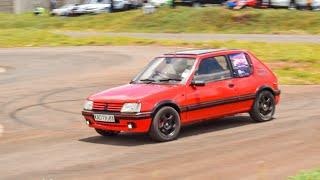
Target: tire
<point>165,125</point>
<point>107,133</point>
<point>264,107</point>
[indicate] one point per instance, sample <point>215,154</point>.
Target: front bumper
<point>141,121</point>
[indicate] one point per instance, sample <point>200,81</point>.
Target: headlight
<point>88,105</point>
<point>131,107</point>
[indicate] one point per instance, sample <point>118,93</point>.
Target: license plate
<point>104,118</point>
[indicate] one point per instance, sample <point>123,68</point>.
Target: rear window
<point>240,64</point>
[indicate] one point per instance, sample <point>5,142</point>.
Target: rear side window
<point>213,69</point>
<point>240,64</point>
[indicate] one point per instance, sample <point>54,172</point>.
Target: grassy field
<point>181,19</point>
<point>294,63</point>
<point>307,175</point>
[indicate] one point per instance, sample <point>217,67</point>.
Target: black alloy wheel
<point>165,125</point>
<point>264,107</point>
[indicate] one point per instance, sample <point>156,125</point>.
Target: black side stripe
<point>217,102</point>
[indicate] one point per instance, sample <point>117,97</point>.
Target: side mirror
<point>197,83</point>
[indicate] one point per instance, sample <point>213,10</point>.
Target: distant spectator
<point>236,4</point>
<point>111,6</point>
<point>231,4</point>
<point>241,4</point>
<point>53,4</point>
<point>39,11</point>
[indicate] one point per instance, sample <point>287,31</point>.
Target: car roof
<point>196,51</point>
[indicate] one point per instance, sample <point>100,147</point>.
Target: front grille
<point>99,106</point>
<point>102,106</point>
<point>114,107</point>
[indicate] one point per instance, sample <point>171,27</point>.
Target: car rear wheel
<point>107,133</point>
<point>264,107</point>
<point>165,125</point>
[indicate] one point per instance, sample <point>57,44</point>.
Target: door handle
<point>231,85</point>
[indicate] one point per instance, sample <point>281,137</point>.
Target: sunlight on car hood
<point>132,92</point>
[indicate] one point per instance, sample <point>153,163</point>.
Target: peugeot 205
<point>183,87</point>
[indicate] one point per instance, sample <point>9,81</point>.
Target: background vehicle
<point>93,6</point>
<point>299,4</point>
<point>258,3</point>
<point>198,2</point>
<point>126,4</point>
<point>158,3</point>
<point>104,6</point>
<point>64,10</point>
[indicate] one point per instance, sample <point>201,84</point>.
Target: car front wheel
<point>165,125</point>
<point>264,107</point>
<point>107,133</point>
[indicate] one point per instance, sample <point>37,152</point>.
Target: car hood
<point>135,92</point>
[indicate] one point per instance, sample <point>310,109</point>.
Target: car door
<point>213,99</point>
<point>244,81</point>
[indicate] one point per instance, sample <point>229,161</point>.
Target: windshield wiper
<point>148,81</point>
<point>170,79</point>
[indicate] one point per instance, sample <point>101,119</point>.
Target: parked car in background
<point>64,10</point>
<point>258,3</point>
<point>185,87</point>
<point>299,4</point>
<point>282,3</point>
<point>197,3</point>
<point>104,6</point>
<point>158,3</point>
<point>92,7</point>
<point>251,3</point>
<point>307,4</point>
<point>126,4</point>
<point>316,5</point>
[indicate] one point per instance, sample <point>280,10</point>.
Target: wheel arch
<point>161,104</point>
<point>265,88</point>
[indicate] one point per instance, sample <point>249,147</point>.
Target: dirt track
<point>44,135</point>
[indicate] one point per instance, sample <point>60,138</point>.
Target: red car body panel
<point>251,3</point>
<point>141,125</point>
<point>194,103</point>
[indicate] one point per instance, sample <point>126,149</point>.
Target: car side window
<point>213,69</point>
<point>240,64</point>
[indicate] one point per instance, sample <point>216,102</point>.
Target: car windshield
<point>166,70</point>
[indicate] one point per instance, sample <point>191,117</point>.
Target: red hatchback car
<point>184,87</point>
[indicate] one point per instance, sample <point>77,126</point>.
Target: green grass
<point>181,19</point>
<point>294,63</point>
<point>307,175</point>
